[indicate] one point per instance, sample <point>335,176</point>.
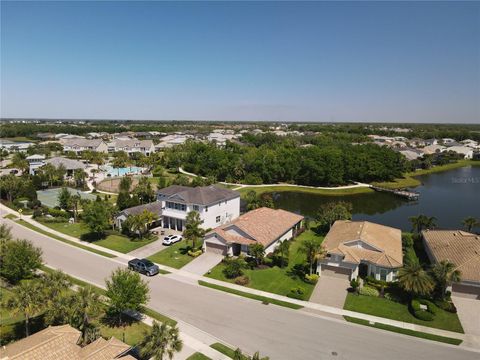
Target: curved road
<point>277,332</point>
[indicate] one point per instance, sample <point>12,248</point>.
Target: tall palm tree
<point>162,340</point>
<point>313,250</point>
<point>193,230</point>
<point>445,273</point>
<point>413,279</point>
<point>284,249</point>
<point>87,305</point>
<point>55,283</point>
<point>470,222</point>
<point>421,222</point>
<point>27,299</point>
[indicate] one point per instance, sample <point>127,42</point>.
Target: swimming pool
<point>122,171</point>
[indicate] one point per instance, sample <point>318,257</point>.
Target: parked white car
<point>171,239</point>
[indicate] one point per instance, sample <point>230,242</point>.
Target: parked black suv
<point>143,266</point>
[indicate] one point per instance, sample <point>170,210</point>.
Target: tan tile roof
<point>60,342</point>
<point>457,246</point>
<point>263,225</point>
<point>362,240</point>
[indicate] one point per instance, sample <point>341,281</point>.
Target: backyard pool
<point>122,171</point>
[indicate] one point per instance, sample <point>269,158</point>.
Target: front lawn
<point>175,255</point>
<point>198,356</point>
<point>113,240</point>
<point>397,311</point>
<point>275,279</point>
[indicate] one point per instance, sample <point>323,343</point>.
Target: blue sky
<point>298,61</point>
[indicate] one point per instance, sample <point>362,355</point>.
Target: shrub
<point>355,284</point>
<point>195,253</point>
<point>415,304</point>
<point>392,297</point>
<point>431,307</point>
<point>37,213</point>
<point>311,279</point>
<point>424,315</point>
<point>54,220</point>
<point>369,291</point>
<point>419,313</point>
<point>242,280</point>
<point>446,305</point>
<point>296,293</point>
<point>234,268</point>
<point>378,284</point>
<point>58,213</point>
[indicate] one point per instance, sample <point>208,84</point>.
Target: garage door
<point>335,271</point>
<point>472,292</point>
<point>216,248</point>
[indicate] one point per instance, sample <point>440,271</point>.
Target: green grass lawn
<point>282,188</point>
<point>396,311</point>
<point>275,279</point>
<point>175,255</point>
<point>113,240</point>
<point>198,356</point>
<point>132,335</point>
<point>405,331</point>
<point>225,350</point>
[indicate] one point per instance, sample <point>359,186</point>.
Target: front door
<point>363,270</point>
<point>236,249</point>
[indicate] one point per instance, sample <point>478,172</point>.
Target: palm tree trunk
<point>27,330</point>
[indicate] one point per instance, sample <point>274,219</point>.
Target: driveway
<point>331,290</point>
<point>468,311</point>
<point>203,263</point>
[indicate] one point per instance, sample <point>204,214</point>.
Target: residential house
<point>45,136</point>
<point>461,248</point>
<point>61,342</point>
<point>173,140</point>
<point>14,146</point>
<point>80,145</point>
<point>132,146</point>
<point>447,141</point>
<point>215,205</point>
<point>154,207</point>
<point>265,226</point>
<point>467,152</point>
<point>411,154</point>
<point>361,248</point>
<point>433,149</point>
<point>431,142</point>
<point>35,161</point>
<point>69,165</point>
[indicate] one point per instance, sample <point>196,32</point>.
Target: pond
<point>450,196</point>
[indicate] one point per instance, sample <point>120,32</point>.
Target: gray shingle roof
<point>154,207</point>
<point>68,163</point>
<point>202,195</point>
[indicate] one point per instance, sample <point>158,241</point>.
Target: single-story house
<point>69,164</point>
<point>61,342</point>
<point>362,248</point>
<point>461,248</point>
<point>467,152</point>
<point>154,207</point>
<point>266,226</point>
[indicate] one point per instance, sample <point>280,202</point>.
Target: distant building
<point>132,146</point>
<point>411,154</point>
<point>14,146</point>
<point>433,149</point>
<point>80,145</point>
<point>34,162</point>
<point>467,152</point>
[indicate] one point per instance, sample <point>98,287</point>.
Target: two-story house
<point>215,205</point>
<point>132,146</point>
<point>80,145</point>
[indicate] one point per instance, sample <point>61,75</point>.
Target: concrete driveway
<point>468,311</point>
<point>331,290</point>
<point>203,263</point>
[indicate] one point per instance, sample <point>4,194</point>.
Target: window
<point>196,207</point>
<point>206,208</point>
<point>217,219</point>
<point>383,274</point>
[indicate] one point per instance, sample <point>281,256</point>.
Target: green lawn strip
<point>409,179</point>
<point>409,332</point>
<point>198,356</point>
<point>132,335</point>
<point>263,299</point>
<point>225,350</point>
<point>385,308</point>
<point>275,279</point>
<point>73,243</point>
<point>282,188</point>
<point>157,316</point>
<point>175,256</point>
<point>10,216</point>
<point>113,240</point>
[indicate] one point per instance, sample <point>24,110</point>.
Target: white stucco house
<point>80,145</point>
<point>215,205</point>
<point>266,226</point>
<point>34,162</point>
<point>132,146</point>
<point>467,152</point>
<point>362,248</point>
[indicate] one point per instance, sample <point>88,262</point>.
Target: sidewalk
<point>188,277</point>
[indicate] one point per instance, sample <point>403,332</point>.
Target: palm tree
<point>445,273</point>
<point>87,305</point>
<point>470,222</point>
<point>421,222</point>
<point>75,201</point>
<point>55,283</point>
<point>257,250</point>
<point>256,356</point>
<point>27,299</point>
<point>313,250</point>
<point>162,340</point>
<point>284,249</point>
<point>413,279</point>
<point>193,230</point>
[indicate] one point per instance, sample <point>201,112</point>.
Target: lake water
<point>450,196</point>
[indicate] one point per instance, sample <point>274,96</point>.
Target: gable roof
<point>132,143</point>
<point>154,207</point>
<point>459,247</point>
<point>69,164</point>
<point>60,342</point>
<point>201,195</point>
<point>363,240</point>
<point>83,142</point>
<point>263,225</point>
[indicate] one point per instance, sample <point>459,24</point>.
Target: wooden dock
<point>409,195</point>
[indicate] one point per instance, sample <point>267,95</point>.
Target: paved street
<point>277,332</point>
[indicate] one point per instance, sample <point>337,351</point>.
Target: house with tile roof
<point>216,205</point>
<point>362,248</point>
<point>461,248</point>
<point>60,342</point>
<point>266,226</point>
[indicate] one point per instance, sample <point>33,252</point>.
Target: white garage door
<point>216,248</point>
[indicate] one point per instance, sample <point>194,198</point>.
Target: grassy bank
<point>410,179</point>
<point>263,299</point>
<point>284,188</point>
<point>398,311</point>
<point>53,236</point>
<point>418,334</point>
<point>175,255</point>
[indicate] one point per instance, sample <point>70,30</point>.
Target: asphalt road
<point>277,332</point>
